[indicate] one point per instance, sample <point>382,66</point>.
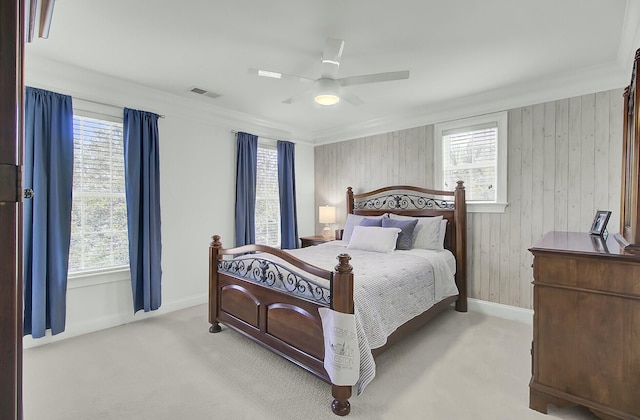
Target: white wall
<point>197,187</point>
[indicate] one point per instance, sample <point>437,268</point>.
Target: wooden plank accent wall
<point>564,163</point>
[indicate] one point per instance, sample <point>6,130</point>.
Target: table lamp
<point>327,215</point>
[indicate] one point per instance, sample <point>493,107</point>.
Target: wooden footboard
<point>285,324</point>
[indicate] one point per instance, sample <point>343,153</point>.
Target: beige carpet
<point>459,366</point>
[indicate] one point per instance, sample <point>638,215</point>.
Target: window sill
<point>95,277</point>
<point>486,207</point>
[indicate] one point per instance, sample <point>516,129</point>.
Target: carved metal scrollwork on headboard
<point>403,202</point>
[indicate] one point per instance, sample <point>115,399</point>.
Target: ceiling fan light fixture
<point>327,92</point>
<point>327,99</point>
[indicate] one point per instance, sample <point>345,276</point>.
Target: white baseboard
<point>110,321</point>
<point>499,310</point>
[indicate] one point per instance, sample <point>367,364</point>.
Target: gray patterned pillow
<point>405,237</point>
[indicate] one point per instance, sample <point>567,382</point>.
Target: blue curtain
<point>246,170</point>
<point>48,170</point>
<point>142,186</point>
<point>287,189</point>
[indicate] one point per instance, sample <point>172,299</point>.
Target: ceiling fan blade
<point>298,96</point>
<point>374,78</point>
<point>278,75</point>
<point>331,57</point>
<point>350,97</point>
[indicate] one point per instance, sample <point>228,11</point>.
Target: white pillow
<point>354,220</point>
<point>373,238</point>
<point>429,232</point>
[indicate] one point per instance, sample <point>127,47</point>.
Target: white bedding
<point>389,289</point>
<point>421,278</point>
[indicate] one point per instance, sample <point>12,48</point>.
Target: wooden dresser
<point>586,325</point>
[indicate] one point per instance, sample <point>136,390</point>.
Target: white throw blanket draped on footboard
<point>389,290</point>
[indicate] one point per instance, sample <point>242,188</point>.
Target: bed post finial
<point>343,265</point>
<point>216,241</point>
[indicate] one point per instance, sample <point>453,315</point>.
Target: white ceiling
<point>470,55</point>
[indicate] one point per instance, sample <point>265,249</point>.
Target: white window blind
<point>267,198</point>
<point>474,150</point>
<point>470,155</point>
<point>99,213</point>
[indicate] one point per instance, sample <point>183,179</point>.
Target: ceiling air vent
<point>205,93</point>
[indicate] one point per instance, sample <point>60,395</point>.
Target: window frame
<point>101,275</point>
<point>270,145</point>
<point>499,118</point>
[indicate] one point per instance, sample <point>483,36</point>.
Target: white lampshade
<point>326,214</point>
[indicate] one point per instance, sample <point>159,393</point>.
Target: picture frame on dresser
<point>599,225</point>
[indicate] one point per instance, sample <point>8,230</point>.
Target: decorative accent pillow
<point>354,220</point>
<point>372,222</point>
<point>376,239</point>
<point>405,237</point>
<point>428,232</point>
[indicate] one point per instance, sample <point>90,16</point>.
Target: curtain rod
<point>264,137</point>
<point>103,103</point>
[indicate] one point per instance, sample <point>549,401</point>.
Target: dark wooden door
<point>11,46</point>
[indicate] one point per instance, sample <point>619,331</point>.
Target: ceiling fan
<point>328,88</point>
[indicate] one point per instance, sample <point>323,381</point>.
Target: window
<point>267,197</point>
<point>99,212</point>
<point>474,150</point>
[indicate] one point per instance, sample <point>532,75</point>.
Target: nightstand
<point>313,240</point>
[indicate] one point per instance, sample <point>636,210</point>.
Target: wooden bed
<point>290,325</point>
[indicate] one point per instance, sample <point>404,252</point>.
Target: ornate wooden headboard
<point>629,236</point>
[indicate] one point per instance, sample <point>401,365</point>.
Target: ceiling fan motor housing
<point>328,91</point>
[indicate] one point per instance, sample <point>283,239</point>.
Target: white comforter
<point>389,290</point>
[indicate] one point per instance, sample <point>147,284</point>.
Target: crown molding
<point>561,86</point>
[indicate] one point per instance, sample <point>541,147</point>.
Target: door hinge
<point>10,183</point>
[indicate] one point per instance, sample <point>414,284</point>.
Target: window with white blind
<point>474,150</point>
<point>99,213</point>
<point>267,197</point>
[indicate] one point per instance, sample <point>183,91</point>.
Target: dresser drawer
<point>594,274</point>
